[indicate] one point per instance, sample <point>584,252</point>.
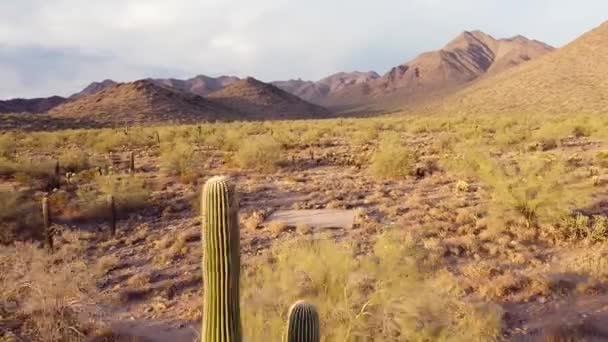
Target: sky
<point>57,47</point>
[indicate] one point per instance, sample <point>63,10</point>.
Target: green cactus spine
<point>303,323</point>
<point>221,262</point>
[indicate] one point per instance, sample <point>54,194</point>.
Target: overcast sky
<point>59,46</point>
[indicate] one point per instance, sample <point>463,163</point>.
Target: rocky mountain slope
<point>572,79</point>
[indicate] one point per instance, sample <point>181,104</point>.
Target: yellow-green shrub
<point>261,152</point>
<point>393,160</point>
<point>393,292</point>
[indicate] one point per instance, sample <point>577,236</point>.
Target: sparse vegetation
<point>462,235</point>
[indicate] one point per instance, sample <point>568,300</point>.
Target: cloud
<point>59,46</point>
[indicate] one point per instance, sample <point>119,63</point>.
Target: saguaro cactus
<point>303,323</point>
<point>46,221</point>
<point>112,214</point>
<point>221,262</point>
<point>132,162</point>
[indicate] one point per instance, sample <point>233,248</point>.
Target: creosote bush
<point>396,291</point>
<point>130,192</point>
<point>261,152</point>
<point>535,188</point>
<point>393,160</point>
<point>178,159</point>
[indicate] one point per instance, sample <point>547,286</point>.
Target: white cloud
<point>268,39</point>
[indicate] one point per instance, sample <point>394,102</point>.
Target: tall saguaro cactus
<point>221,262</point>
<point>46,221</point>
<point>303,323</point>
<point>112,214</point>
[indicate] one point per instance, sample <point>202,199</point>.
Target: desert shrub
<point>232,139</point>
<point>534,188</point>
<point>108,141</point>
<point>581,131</point>
<point>35,169</point>
<point>313,135</point>
<point>601,159</point>
<point>178,159</point>
<point>20,217</point>
<point>363,137</point>
<point>581,227</point>
<point>286,137</point>
<point>74,160</point>
<point>548,144</point>
<point>7,146</point>
<point>261,152</point>
<point>393,160</point>
<point>43,289</point>
<point>367,298</point>
<point>130,192</point>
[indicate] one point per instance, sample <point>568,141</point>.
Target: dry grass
<point>40,292</point>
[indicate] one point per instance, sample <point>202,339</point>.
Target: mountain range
<point>572,79</point>
<point>471,71</point>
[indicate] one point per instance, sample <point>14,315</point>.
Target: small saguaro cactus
<point>112,214</point>
<point>303,323</point>
<point>221,262</point>
<point>46,221</point>
<point>132,162</point>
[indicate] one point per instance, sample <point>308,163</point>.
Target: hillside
<point>37,105</point>
<point>468,57</point>
<point>572,79</point>
<point>260,100</point>
<point>200,85</point>
<point>317,92</point>
<point>142,101</point>
<point>94,88</point>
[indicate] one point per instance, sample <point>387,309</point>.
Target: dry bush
<point>261,152</point>
<point>277,227</point>
<point>393,160</point>
<point>581,227</point>
<point>178,159</point>
<point>130,192</point>
<point>363,298</point>
<point>534,188</point>
<point>107,263</point>
<point>601,159</point>
<point>20,218</point>
<point>74,160</point>
<point>43,292</point>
